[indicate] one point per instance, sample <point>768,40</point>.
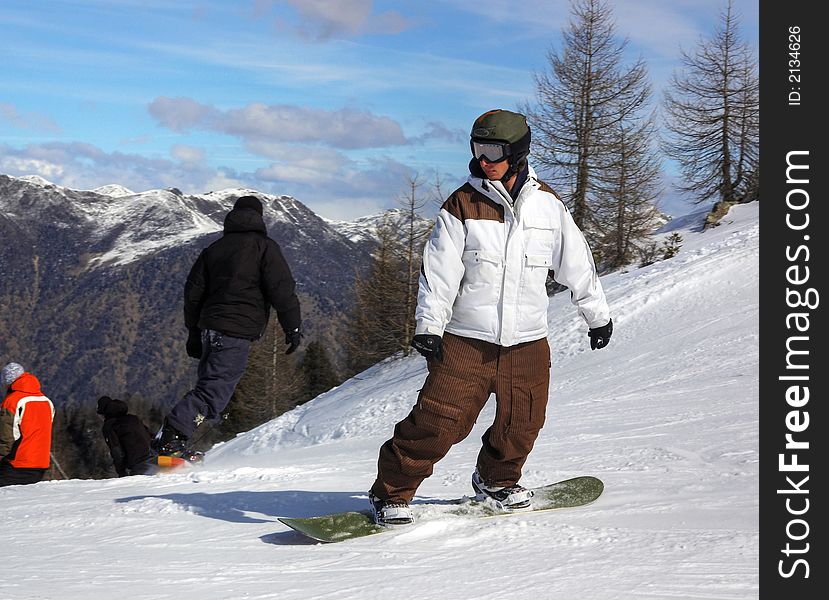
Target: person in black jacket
<point>128,439</point>
<point>227,300</point>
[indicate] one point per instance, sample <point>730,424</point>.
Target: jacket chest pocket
<point>482,275</point>
<point>540,236</point>
<point>481,257</point>
<point>539,260</point>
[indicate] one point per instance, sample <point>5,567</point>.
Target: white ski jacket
<point>486,263</point>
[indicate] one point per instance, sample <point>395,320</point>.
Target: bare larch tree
<point>712,112</point>
<point>580,105</point>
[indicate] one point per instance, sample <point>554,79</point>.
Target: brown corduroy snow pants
<point>453,396</point>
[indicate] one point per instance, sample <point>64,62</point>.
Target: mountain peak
<point>113,189</point>
<point>37,180</point>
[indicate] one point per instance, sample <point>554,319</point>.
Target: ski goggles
<point>493,152</point>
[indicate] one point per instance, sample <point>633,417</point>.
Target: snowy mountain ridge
<point>132,225</point>
<point>365,229</point>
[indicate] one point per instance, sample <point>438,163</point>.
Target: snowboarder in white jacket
<point>482,321</point>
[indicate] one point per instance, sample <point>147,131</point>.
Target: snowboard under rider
<point>482,321</point>
<point>227,300</point>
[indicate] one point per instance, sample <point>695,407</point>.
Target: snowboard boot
<point>148,466</point>
<point>170,442</point>
<point>512,497</point>
<point>389,513</point>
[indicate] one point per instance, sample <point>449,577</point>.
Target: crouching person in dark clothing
<point>128,439</point>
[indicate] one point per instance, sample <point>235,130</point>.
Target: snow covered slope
<point>666,415</point>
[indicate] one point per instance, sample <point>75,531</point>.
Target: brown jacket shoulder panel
<point>468,203</point>
<point>546,188</point>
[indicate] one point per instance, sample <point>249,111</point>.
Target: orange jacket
<point>26,425</point>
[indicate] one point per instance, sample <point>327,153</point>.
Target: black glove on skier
<point>429,345</point>
<point>194,343</point>
<point>600,336</point>
<point>292,338</point>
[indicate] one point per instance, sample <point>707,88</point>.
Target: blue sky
<point>335,102</point>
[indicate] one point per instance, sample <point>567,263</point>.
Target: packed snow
<point>666,415</point>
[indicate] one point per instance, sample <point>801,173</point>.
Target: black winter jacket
<point>236,280</point>
<point>127,437</point>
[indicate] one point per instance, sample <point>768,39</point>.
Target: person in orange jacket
<point>25,427</point>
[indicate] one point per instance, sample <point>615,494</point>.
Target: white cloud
<point>344,128</point>
<point>350,210</point>
<point>32,121</point>
<point>289,173</point>
<point>180,114</point>
<point>187,154</point>
<point>84,166</point>
<point>321,20</point>
<point>220,180</point>
<point>321,159</point>
<point>352,190</point>
<point>435,131</point>
<point>22,165</point>
<point>334,16</point>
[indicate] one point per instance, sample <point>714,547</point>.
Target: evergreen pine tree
<point>320,375</point>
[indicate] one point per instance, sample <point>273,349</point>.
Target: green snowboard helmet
<point>501,135</point>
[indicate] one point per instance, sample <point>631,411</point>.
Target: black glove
<point>429,345</point>
<point>292,338</point>
<point>194,343</point>
<point>600,336</point>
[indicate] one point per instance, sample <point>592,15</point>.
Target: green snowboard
<point>339,527</point>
